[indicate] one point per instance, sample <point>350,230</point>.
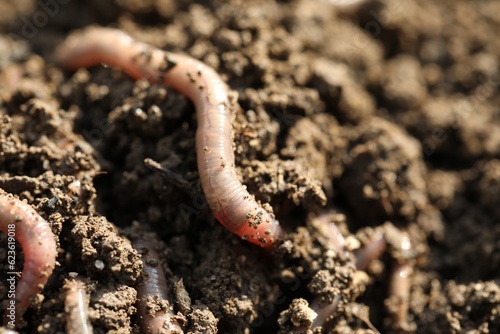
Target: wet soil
<point>380,114</point>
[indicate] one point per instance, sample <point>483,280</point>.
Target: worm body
<point>154,288</point>
<point>76,305</point>
<point>400,284</point>
<point>228,199</point>
<point>371,251</point>
<point>21,222</point>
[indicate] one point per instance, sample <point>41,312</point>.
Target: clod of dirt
<point>337,85</point>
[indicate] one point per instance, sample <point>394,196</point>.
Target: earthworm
<point>399,287</point>
<point>19,221</point>
<point>399,290</point>
<point>371,251</point>
<point>228,199</point>
<point>324,312</point>
<point>336,242</point>
<point>325,222</point>
<point>154,289</point>
<point>76,306</point>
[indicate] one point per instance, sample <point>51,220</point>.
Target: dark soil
<point>384,112</point>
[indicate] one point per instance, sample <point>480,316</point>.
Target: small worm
<point>371,251</point>
<point>76,306</point>
<point>399,280</point>
<point>324,312</point>
<point>228,199</point>
<point>19,221</point>
<point>400,285</point>
<point>336,242</point>
<point>154,287</point>
<point>399,291</point>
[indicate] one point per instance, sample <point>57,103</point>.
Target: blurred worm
<point>399,286</point>
<point>228,199</point>
<point>153,289</point>
<point>76,306</point>
<point>19,221</point>
<point>371,251</point>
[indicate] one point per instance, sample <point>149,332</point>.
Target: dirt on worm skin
<point>381,114</point>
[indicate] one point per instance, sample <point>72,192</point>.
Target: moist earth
<point>384,113</point>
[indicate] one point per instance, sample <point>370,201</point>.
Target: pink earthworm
<point>371,251</point>
<point>19,221</point>
<point>154,288</point>
<point>399,291</point>
<point>228,199</point>
<point>76,306</point>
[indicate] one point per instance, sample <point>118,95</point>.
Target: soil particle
<point>321,143</point>
<point>403,83</point>
<point>247,304</point>
<point>113,306</point>
<point>453,132</point>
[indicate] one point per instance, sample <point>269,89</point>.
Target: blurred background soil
<point>386,112</point>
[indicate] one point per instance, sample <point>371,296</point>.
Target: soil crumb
<point>356,118</point>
